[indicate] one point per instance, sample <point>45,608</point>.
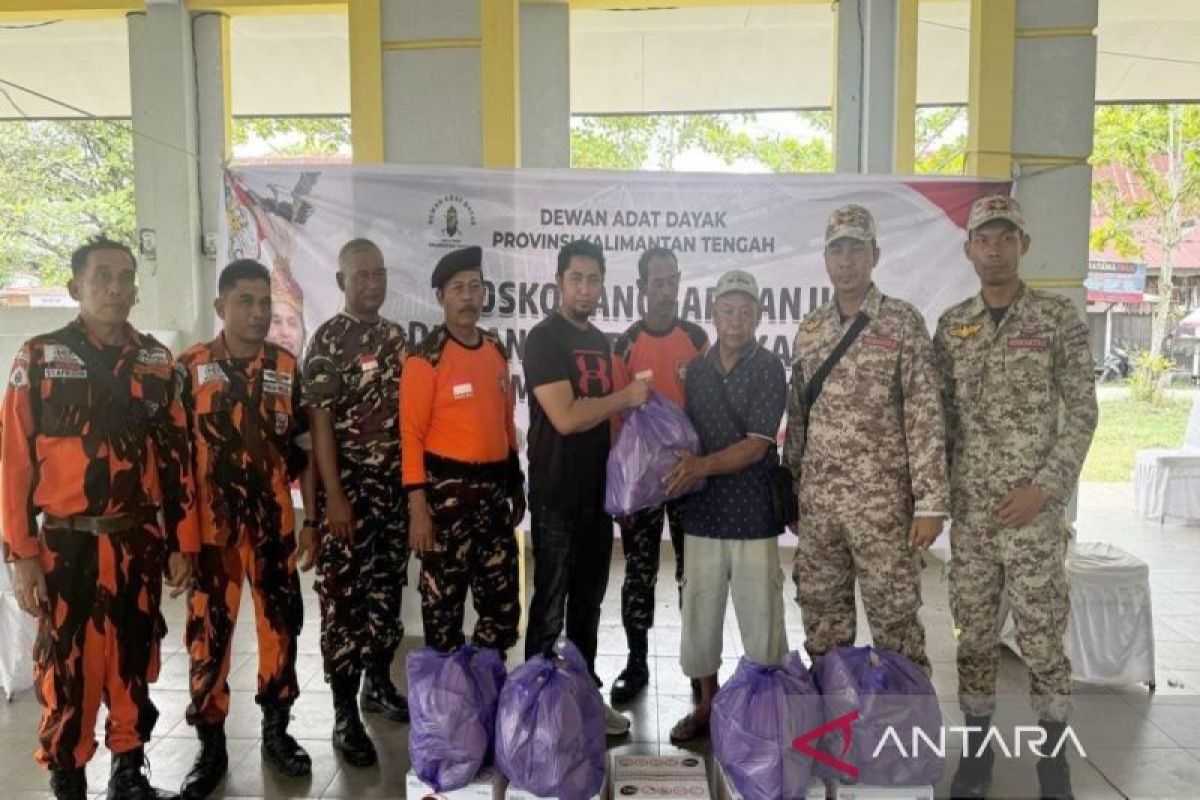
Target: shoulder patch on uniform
<point>431,347</point>
<point>697,335</point>
<point>19,377</point>
<point>492,338</point>
<point>624,343</point>
<point>966,330</point>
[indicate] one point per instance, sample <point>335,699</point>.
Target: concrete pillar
<point>163,83</point>
<point>868,46</point>
<point>1054,89</point>
<point>211,33</point>
<point>545,85</point>
<point>431,82</point>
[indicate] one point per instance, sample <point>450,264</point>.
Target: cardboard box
<point>643,788</point>
<point>727,791</point>
<point>483,787</point>
<point>862,792</point>
<point>687,766</point>
<point>506,792</point>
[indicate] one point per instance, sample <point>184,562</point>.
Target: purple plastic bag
<point>452,701</point>
<point>887,691</point>
<point>550,727</point>
<point>644,454</point>
<point>755,717</point>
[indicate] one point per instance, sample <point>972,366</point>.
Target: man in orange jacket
<point>460,466</point>
<point>94,439</point>
<point>242,398</point>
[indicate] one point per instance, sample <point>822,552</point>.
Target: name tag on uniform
<point>1028,342</point>
<point>881,342</point>
<point>462,391</point>
<point>281,423</point>
<point>152,358</point>
<point>275,382</point>
<point>207,373</point>
<point>65,373</point>
<point>644,375</point>
<point>368,362</point>
<point>60,354</point>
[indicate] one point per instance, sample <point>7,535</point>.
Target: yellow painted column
<point>990,100</point>
<point>226,87</point>
<point>500,81</point>
<point>905,131</point>
<point>366,81</point>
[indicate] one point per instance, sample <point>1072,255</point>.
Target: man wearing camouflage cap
<point>866,444</point>
<point>1010,358</point>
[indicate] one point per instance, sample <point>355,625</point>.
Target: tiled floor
<point>1137,744</point>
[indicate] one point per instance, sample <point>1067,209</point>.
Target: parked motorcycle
<point>1117,366</point>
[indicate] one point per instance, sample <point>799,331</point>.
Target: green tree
<point>295,136</point>
<point>61,182</point>
<point>941,141</point>
<point>1150,191</point>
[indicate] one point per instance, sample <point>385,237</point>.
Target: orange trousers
<point>213,604</point>
<point>98,639</point>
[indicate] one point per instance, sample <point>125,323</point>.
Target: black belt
<point>98,526</point>
<point>443,467</point>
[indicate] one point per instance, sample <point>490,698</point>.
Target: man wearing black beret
<point>460,466</point>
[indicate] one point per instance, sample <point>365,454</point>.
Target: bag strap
<point>97,365</point>
<point>728,404</point>
<point>812,389</point>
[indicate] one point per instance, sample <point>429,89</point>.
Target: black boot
<point>279,749</point>
<point>68,784</point>
<point>974,774</point>
<point>212,762</point>
<point>636,675</point>
<point>127,781</point>
<point>379,694</point>
<point>349,736</point>
<point>1054,773</point>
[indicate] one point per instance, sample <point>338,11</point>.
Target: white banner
<point>294,220</point>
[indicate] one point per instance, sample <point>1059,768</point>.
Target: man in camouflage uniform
<point>352,387</point>
<point>95,442</point>
<point>868,454</point>
<point>242,397</point>
<point>1011,358</point>
<point>461,470</point>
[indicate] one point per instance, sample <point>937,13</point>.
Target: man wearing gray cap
<point>866,444</point>
<point>735,395</point>
<point>1011,359</point>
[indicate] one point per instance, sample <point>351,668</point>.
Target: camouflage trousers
<point>360,582</point>
<point>476,548</point>
<point>835,547</point>
<point>270,566</point>
<point>641,537</point>
<point>1031,559</point>
<point>97,639</point>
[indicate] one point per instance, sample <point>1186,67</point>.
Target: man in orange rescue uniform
<point>460,466</point>
<point>94,439</point>
<point>242,398</point>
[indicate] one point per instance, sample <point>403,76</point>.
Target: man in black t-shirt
<point>568,367</point>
